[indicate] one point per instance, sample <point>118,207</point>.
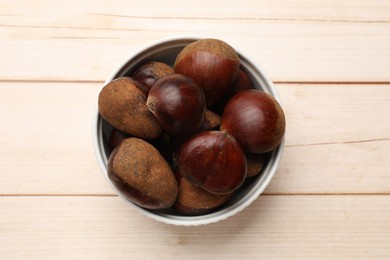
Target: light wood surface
<point>293,226</point>
<point>330,61</point>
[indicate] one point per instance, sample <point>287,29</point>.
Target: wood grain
<point>293,227</point>
<point>324,113</point>
<point>46,144</point>
<point>337,139</point>
<point>325,10</point>
<point>348,42</point>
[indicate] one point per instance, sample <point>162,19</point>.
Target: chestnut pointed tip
<point>151,104</point>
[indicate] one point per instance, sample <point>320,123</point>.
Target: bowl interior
<point>166,51</point>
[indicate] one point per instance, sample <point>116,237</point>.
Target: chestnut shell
<point>242,82</point>
<point>255,119</point>
<point>193,200</point>
<point>115,139</point>
<point>214,161</point>
<point>212,63</point>
<point>178,103</point>
<point>140,172</point>
<point>123,105</point>
<point>255,162</point>
<point>211,121</point>
<point>148,73</point>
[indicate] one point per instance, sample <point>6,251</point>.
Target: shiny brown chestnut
<point>149,72</point>
<point>214,161</point>
<point>212,63</point>
<point>242,82</point>
<point>255,119</point>
<point>178,103</point>
<point>255,162</point>
<point>210,122</point>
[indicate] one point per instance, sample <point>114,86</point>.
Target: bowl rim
<point>218,215</point>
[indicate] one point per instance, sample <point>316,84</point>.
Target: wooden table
<point>330,61</point>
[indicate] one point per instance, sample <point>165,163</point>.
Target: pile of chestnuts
<point>187,136</point>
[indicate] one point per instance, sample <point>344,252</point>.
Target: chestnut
<point>242,82</point>
<point>149,72</point>
<point>255,163</point>
<point>123,105</point>
<point>137,84</point>
<point>211,121</point>
<point>140,172</point>
<point>178,103</point>
<point>214,161</point>
<point>255,119</point>
<point>212,63</point>
<point>163,144</point>
<point>193,200</point>
<point>115,139</point>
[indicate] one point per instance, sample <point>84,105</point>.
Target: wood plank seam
<point>12,80</point>
<point>260,19</point>
<point>346,142</point>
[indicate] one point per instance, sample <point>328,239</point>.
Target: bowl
<point>165,50</point>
